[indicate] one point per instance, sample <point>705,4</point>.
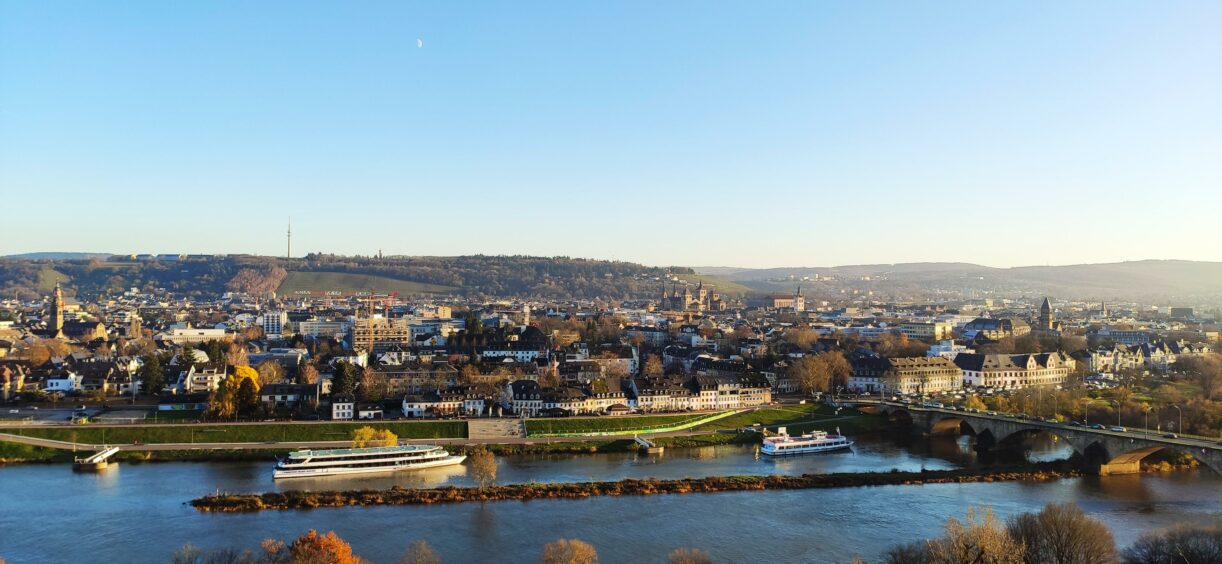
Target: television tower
<point>288,253</point>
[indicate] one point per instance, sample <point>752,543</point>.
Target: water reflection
<point>50,514</point>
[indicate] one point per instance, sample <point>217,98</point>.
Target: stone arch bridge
<point>1108,452</point>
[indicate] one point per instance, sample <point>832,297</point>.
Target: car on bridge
<point>1119,429</point>
<point>1098,427</point>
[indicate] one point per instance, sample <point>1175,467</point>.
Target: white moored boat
<point>311,463</point>
<point>816,441</point>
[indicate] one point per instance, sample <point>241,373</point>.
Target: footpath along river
<point>136,512</point>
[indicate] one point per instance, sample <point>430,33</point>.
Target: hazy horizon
<point>684,133</point>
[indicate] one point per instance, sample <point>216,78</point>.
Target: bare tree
<point>569,551</point>
<point>1063,534</point>
<point>1185,543</point>
<point>483,466</point>
<point>978,540</point>
<point>270,372</point>
<point>420,552</point>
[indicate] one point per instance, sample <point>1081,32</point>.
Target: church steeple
<point>1045,321</point>
<point>56,322</point>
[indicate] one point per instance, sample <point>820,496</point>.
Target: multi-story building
<point>378,334</point>
<point>1013,371</point>
<point>324,328</point>
<point>905,375</point>
<point>927,330</point>
<point>948,349</point>
<point>996,329</point>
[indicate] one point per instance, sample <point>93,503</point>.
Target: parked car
<point>14,411</point>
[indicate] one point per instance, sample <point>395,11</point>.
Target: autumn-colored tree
<point>688,556</point>
<point>469,375</point>
<point>313,548</point>
<point>974,402</point>
<point>653,366</point>
<point>370,437</point>
<point>223,403</point>
<point>801,337</point>
<point>235,355</point>
<point>372,387</point>
<point>483,466</point>
<point>979,539</point>
<point>307,374</point>
<point>809,375</point>
<point>270,372</point>
<point>418,552</point>
<point>569,551</point>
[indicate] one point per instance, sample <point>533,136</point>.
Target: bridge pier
<point>1117,468</point>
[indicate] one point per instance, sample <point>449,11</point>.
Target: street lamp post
<point>1117,402</point>
<point>1147,424</point>
<point>1179,428</point>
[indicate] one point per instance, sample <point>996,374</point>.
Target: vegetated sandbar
<point>636,487</point>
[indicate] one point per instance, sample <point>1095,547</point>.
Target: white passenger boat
<point>816,441</point>
<point>313,463</point>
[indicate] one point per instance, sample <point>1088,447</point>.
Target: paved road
<point>1128,434</point>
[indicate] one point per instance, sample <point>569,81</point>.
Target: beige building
<point>1012,371</point>
<point>927,331</point>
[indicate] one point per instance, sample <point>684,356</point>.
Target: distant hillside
<point>493,276</point>
<point>57,256</point>
<point>341,282</point>
<point>1138,280</point>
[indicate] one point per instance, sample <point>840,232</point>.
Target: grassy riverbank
<point>241,433</point>
<point>402,496</point>
<point>617,424</point>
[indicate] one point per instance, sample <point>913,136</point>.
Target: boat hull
<point>807,450</point>
<point>281,474</point>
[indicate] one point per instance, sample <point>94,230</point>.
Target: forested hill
<point>547,277</point>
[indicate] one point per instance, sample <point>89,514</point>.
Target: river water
<point>137,512</point>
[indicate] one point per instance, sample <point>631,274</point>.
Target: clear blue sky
<point>702,133</point>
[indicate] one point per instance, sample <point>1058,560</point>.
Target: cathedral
<point>700,300</point>
<point>58,327</point>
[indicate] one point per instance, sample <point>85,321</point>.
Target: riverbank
<point>13,453</point>
<point>238,432</point>
<point>233,503</point>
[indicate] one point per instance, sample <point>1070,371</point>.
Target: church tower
<point>799,301</point>
<point>1045,320</point>
<point>55,323</point>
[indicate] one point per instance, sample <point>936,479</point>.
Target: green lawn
<point>151,434</point>
<point>608,424</point>
<point>175,415</point>
<point>772,416</point>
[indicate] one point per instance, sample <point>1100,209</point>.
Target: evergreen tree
<point>344,380</point>
<point>152,374</point>
<point>247,398</point>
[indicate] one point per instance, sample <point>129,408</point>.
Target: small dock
<point>97,461</point>
<point>647,446</point>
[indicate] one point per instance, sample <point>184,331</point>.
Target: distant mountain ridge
<point>57,256</point>
<point>1124,280</point>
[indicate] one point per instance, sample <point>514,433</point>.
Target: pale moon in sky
<point>419,43</point>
